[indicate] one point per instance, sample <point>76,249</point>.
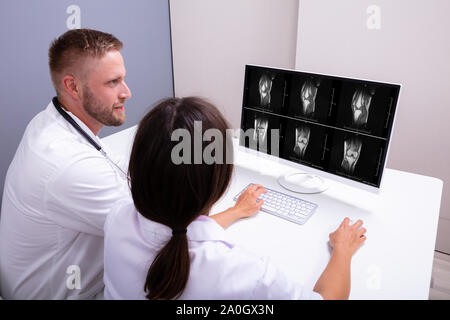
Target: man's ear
<point>72,86</point>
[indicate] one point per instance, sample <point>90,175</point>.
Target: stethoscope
<point>84,134</point>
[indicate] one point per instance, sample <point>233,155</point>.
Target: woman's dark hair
<point>175,194</point>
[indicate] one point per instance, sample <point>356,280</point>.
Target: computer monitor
<point>321,125</point>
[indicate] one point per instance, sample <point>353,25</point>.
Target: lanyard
<point>69,119</point>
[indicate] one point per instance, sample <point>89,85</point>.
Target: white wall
<point>213,40</point>
<point>412,47</point>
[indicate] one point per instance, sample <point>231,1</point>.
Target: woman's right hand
<point>348,238</point>
<point>248,204</point>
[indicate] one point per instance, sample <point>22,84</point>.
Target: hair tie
<point>182,231</point>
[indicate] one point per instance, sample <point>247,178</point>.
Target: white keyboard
<point>285,206</point>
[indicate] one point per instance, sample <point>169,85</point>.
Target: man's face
<point>105,90</point>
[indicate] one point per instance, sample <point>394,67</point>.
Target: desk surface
<point>401,221</point>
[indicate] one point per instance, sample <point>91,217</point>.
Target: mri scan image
<point>308,95</point>
<point>360,106</point>
<point>260,132</point>
<point>302,134</point>
<point>265,87</point>
<point>352,151</point>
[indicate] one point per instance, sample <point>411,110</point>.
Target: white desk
<point>394,263</point>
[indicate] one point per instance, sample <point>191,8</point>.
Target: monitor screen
<point>338,125</point>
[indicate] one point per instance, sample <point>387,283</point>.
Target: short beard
<point>97,110</point>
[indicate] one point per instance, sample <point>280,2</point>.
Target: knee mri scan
<point>265,88</point>
<point>361,105</point>
<point>352,151</point>
<point>308,95</point>
<point>260,132</point>
<point>302,134</point>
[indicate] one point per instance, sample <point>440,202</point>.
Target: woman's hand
<point>348,238</point>
<point>246,205</point>
<point>334,282</point>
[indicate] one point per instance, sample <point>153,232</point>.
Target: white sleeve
<point>273,285</point>
<point>81,195</point>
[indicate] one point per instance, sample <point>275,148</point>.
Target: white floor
<point>440,277</point>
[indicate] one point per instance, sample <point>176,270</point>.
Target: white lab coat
<point>219,269</point>
<point>57,193</point>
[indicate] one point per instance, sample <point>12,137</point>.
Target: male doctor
<point>59,186</point>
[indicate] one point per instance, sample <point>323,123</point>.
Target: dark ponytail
<point>171,194</point>
<point>167,282</point>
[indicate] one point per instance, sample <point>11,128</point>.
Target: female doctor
<point>163,245</point>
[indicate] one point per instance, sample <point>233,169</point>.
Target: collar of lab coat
<point>203,228</point>
<point>78,121</point>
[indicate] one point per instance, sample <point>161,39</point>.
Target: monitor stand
<point>302,182</point>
